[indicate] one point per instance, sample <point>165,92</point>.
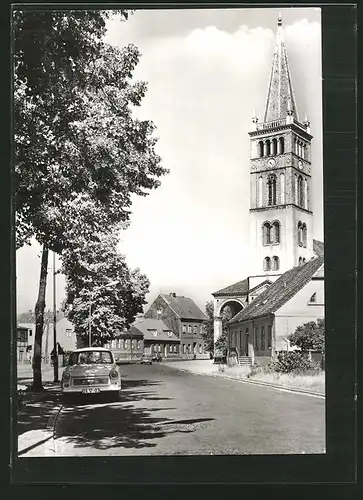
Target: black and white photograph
<point>169,229</point>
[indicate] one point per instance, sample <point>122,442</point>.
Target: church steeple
<point>280,98</point>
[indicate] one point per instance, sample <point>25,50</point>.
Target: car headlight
<point>114,374</point>
<point>66,376</point>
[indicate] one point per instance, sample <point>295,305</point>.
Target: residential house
<point>158,338</point>
<point>185,319</point>
<point>261,329</point>
<point>128,345</point>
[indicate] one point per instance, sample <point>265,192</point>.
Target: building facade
<point>185,319</point>
<point>158,338</point>
<point>262,329</point>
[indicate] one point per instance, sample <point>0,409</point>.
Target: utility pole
<point>46,360</point>
<point>89,324</point>
<point>55,363</point>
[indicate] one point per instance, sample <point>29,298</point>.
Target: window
<point>189,328</point>
<point>275,263</point>
<point>282,145</point>
<point>304,235</point>
<point>274,147</point>
<point>184,348</point>
<point>300,191</point>
<point>269,336</point>
<point>256,338</point>
<point>175,348</point>
<point>260,191</point>
<point>189,348</point>
<point>184,328</point>
<point>306,194</point>
<point>266,233</point>
<point>313,297</point>
<point>200,349</point>
<point>300,237</point>
<point>271,185</point>
<point>201,329</point>
<point>268,148</point>
<point>170,348</point>
<point>113,344</point>
<point>260,149</point>
<point>300,261</point>
<point>196,329</point>
<point>276,232</point>
<point>235,339</point>
<point>262,338</point>
<point>134,344</point>
<point>126,343</point>
<point>139,344</point>
<point>282,189</point>
<point>267,264</point>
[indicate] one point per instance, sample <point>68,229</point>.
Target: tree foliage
<point>79,153</point>
<point>208,335</point>
<point>310,336</point>
<point>88,270</point>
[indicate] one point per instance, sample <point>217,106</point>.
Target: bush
<point>293,361</point>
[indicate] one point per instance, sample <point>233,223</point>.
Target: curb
<point>266,384</point>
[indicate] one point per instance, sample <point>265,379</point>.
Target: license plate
<point>90,390</point>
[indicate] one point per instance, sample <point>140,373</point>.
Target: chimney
<point>173,294</point>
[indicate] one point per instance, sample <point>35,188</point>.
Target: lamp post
<point>55,363</point>
<point>106,285</point>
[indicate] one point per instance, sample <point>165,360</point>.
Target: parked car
<point>157,357</point>
<point>91,370</point>
<point>145,360</point>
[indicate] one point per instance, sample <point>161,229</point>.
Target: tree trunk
<point>39,323</point>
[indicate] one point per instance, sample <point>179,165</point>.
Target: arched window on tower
<point>282,145</point>
<point>268,147</point>
<point>260,191</point>
<point>306,194</point>
<point>300,238</point>
<point>282,189</point>
<point>260,149</point>
<point>300,261</point>
<point>274,147</point>
<point>271,184</point>
<point>304,235</point>
<point>267,264</point>
<point>266,233</point>
<point>276,232</point>
<point>300,191</point>
<point>275,263</point>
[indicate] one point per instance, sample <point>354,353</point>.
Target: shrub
<point>293,361</point>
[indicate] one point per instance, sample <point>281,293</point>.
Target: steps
<point>245,361</point>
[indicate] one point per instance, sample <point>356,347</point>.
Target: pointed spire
<point>280,98</point>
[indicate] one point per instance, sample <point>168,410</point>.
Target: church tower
<point>281,218</point>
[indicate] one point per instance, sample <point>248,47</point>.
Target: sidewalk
<point>206,367</point>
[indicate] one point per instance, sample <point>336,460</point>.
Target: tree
<point>208,330</point>
<point>89,269</point>
<point>208,335</point>
<point>79,154</point>
<point>310,336</point>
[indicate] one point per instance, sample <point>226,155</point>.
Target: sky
<point>207,72</point>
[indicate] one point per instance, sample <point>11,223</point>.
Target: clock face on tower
<point>271,162</point>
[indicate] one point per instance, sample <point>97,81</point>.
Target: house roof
<point>144,326</point>
<point>282,290</point>
<point>184,307</point>
<point>239,288</point>
<point>266,282</point>
<point>318,247</point>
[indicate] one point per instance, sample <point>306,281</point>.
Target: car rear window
<point>90,358</point>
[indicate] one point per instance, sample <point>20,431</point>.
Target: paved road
<point>164,411</point>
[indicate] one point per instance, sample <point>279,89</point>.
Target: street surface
<point>164,411</point>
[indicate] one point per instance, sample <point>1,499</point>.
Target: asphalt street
<point>164,411</point>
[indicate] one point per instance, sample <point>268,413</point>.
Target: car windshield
<point>90,358</point>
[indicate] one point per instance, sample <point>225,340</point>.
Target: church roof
<point>239,288</point>
<point>281,291</point>
<point>318,247</point>
<point>280,97</point>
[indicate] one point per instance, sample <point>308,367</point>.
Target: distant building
<point>24,342</point>
<point>184,318</point>
<point>129,345</point>
<point>158,338</point>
